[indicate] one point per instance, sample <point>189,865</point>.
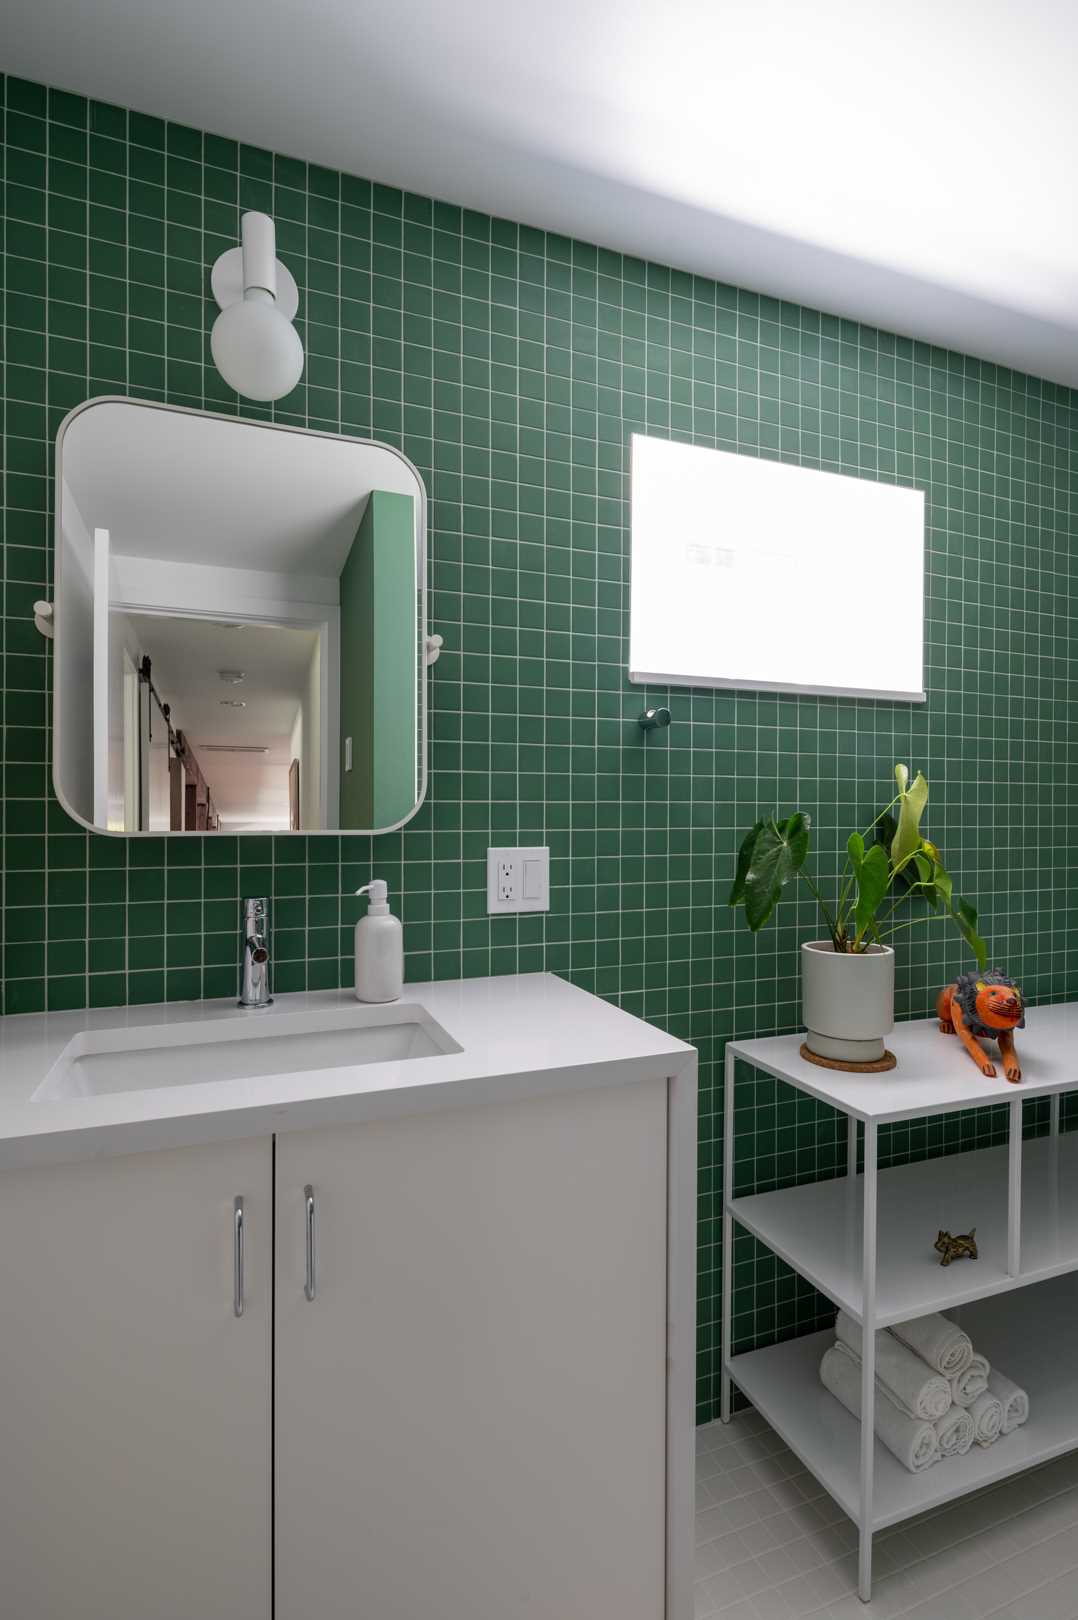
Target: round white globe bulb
<point>257,349</point>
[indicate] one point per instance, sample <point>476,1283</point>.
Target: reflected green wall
<point>378,665</point>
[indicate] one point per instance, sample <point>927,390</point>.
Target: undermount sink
<point>251,1045</point>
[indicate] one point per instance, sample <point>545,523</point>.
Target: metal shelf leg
<point>868,1366</point>
<point>1014,1190</point>
<point>727,1233</point>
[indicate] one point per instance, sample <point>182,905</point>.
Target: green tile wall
<point>511,365</point>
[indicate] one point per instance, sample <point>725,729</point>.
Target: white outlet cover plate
<point>527,870</point>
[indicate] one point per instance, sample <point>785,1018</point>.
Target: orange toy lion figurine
<point>984,1006</point>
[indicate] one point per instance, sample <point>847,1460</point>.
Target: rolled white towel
<point>987,1415</point>
<point>912,1441</point>
<point>955,1432</point>
<point>938,1341</point>
<point>1015,1401</point>
<point>971,1383</point>
<point>906,1378</point>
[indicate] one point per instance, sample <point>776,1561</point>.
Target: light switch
<point>518,880</point>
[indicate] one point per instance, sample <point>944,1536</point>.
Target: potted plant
<point>847,980</point>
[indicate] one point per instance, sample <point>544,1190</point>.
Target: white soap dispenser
<point>379,947</point>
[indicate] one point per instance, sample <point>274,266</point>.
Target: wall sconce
<point>255,347</point>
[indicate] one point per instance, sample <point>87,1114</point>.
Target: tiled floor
<point>771,1544</point>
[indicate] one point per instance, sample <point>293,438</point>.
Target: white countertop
<point>524,1035</point>
<point>934,1075</point>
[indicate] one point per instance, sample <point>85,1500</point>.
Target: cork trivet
<point>877,1066</point>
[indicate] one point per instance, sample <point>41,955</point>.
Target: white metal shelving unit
<point>865,1240</point>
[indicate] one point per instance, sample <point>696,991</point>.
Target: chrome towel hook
<point>653,719</point>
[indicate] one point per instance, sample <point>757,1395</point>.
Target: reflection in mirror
<point>240,626</point>
<point>248,699</point>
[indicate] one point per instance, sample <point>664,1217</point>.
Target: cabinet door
<point>134,1403</point>
<point>470,1412</point>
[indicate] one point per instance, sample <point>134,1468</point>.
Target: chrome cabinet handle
<point>309,1283</point>
<point>238,1246</point>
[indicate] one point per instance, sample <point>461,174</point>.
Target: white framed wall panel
<point>757,574</point>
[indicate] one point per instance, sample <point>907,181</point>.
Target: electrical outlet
<point>518,879</point>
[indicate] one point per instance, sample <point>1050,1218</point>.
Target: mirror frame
<point>423,629</point>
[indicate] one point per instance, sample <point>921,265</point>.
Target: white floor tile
<point>771,1605</point>
<point>772,1545</point>
<point>1058,1600</point>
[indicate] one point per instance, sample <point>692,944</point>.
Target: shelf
<point>934,1074</point>
<point>816,1227</point>
<point>1033,1345</point>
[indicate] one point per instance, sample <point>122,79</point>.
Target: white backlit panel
<point>757,574</point>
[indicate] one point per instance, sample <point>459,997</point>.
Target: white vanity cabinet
<point>469,1382</point>
<point>449,1369</point>
<point>470,1363</point>
<point>134,1402</point>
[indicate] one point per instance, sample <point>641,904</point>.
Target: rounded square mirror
<point>240,622</point>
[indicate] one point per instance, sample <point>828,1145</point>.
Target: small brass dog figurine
<point>986,1006</point>
<point>963,1246</point>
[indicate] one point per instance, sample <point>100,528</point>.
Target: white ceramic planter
<point>847,1002</point>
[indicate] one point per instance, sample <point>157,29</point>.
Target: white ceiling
<point>906,164</point>
<point>223,492</point>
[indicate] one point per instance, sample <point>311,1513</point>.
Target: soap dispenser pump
<point>379,947</point>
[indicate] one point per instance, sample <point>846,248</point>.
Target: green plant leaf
<point>744,861</point>
<point>883,833</point>
<point>873,882</point>
<point>911,808</point>
<point>902,777</point>
<point>942,881</point>
<point>920,873</point>
<point>855,849</point>
<point>965,917</point>
<point>777,854</point>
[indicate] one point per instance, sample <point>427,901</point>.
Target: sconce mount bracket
<point>226,279</point>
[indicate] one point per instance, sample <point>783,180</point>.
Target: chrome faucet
<point>255,967</point>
